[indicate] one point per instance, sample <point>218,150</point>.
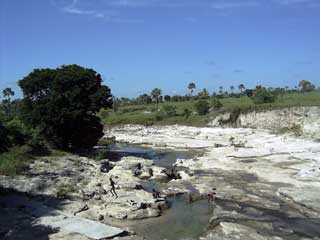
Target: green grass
<point>146,114</point>
<point>15,160</point>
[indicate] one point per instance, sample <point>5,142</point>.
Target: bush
<point>216,104</point>
<point>160,116</point>
<point>187,113</point>
<point>18,132</point>
<point>169,110</point>
<point>202,107</point>
<point>13,161</point>
<point>262,95</point>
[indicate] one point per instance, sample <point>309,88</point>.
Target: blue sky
<point>141,44</point>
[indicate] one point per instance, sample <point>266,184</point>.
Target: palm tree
<point>191,87</point>
<point>232,89</point>
<point>241,87</point>
<point>7,92</point>
<point>155,94</point>
<point>221,90</point>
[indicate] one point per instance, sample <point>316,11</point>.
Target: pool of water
<point>162,158</point>
<point>183,221</point>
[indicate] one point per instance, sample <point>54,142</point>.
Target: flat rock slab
<point>61,221</point>
<point>89,228</point>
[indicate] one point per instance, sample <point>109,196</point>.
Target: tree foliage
<point>202,107</point>
<point>4,138</point>
<point>191,87</point>
<point>155,95</point>
<point>306,86</point>
<point>169,110</point>
<point>63,103</point>
<point>262,95</point>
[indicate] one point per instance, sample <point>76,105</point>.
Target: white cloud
<point>79,11</point>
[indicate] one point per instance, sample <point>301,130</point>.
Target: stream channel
<point>183,220</point>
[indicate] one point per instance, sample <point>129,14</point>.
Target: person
<point>212,195</point>
<point>155,193</point>
<point>113,188</point>
<point>137,170</point>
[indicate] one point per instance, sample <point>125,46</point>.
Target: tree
<point>262,95</point>
<point>204,94</point>
<point>221,90</point>
<point>231,89</point>
<point>167,98</point>
<point>7,92</point>
<point>62,103</point>
<point>191,87</point>
<point>306,86</point>
<point>202,107</point>
<point>144,99</point>
<point>155,95</point>
<point>241,88</point>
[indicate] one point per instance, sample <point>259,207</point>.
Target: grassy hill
<point>147,114</point>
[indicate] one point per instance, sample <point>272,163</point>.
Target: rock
<point>235,231</point>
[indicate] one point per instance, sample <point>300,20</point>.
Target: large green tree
<point>62,103</point>
<point>306,86</point>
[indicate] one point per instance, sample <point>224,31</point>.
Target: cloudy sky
<point>141,44</point>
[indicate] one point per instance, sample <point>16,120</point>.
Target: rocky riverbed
<point>267,186</point>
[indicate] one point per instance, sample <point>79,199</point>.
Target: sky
<point>137,45</point>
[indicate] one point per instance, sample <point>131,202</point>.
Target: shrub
<point>18,132</point>
<point>160,116</point>
<point>262,95</point>
<point>202,107</point>
<point>187,113</point>
<point>14,161</point>
<point>169,110</point>
<point>216,104</point>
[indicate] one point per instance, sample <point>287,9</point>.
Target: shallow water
<point>183,220</point>
<point>162,158</point>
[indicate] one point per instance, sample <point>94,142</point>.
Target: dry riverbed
<point>267,187</point>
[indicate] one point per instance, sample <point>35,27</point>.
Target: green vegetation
<point>62,103</point>
<point>186,113</point>
<point>58,112</point>
<point>202,107</point>
<point>262,95</point>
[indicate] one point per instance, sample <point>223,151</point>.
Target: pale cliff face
<point>301,120</point>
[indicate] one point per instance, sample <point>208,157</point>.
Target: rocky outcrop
<point>300,120</point>
<point>88,191</point>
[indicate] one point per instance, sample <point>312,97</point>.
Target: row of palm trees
<point>241,87</point>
